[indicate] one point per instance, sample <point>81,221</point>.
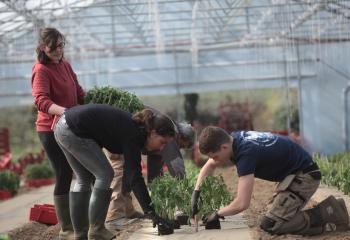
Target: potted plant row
<point>38,175</point>
<point>170,195</point>
<point>9,184</point>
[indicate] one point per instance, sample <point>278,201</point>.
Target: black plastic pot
<point>182,219</point>
<point>165,229</point>
<point>213,225</point>
<point>176,224</point>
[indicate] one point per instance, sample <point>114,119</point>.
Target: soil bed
<point>263,191</point>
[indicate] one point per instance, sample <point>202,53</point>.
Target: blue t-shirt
<point>268,156</point>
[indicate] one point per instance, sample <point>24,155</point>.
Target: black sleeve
<point>132,177</point>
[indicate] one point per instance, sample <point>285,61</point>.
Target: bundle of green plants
<point>115,97</point>
<point>38,171</point>
<point>335,170</point>
<point>9,181</point>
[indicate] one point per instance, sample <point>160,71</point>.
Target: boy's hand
<point>195,201</point>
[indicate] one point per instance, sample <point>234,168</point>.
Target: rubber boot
<point>334,213</point>
<point>329,215</point>
<point>63,216</point>
<point>79,211</point>
<point>98,207</point>
<point>346,214</point>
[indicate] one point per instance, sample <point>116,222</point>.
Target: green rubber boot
<point>98,208</point>
<point>79,211</point>
<point>63,216</point>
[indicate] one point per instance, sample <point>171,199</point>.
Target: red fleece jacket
<point>54,83</point>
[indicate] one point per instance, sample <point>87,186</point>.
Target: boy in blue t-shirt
<point>274,158</point>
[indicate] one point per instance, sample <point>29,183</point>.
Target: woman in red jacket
<point>55,87</point>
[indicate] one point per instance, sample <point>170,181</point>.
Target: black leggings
<point>58,161</point>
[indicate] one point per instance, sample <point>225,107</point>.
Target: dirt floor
<point>262,194</point>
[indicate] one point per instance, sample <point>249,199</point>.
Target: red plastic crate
<point>43,213</point>
<point>5,195</point>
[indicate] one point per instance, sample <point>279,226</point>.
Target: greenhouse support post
<point>345,120</point>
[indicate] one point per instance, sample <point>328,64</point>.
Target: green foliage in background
<point>170,194</point>
<point>4,237</point>
<point>281,115</point>
<point>192,171</point>
<point>20,121</point>
<point>335,170</point>
<point>38,171</point>
<point>115,97</point>
<point>9,181</point>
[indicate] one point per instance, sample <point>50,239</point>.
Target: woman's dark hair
<point>150,120</point>
<point>47,37</point>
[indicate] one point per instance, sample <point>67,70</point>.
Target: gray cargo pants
<point>285,214</point>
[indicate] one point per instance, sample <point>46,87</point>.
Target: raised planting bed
<point>9,184</point>
<point>38,175</point>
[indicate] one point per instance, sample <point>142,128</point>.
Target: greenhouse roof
<point>142,26</point>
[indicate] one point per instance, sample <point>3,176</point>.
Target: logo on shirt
<point>265,139</point>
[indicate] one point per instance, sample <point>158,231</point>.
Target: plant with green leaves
<point>185,187</point>
<point>38,171</point>
<point>214,194</point>
<point>115,97</point>
<point>9,181</point>
<point>165,196</point>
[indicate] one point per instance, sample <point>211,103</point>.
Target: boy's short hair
<point>211,139</point>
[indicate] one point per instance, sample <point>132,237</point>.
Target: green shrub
<point>9,181</point>
<point>115,97</point>
<point>38,171</point>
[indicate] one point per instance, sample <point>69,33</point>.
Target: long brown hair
<point>47,37</point>
<point>150,120</point>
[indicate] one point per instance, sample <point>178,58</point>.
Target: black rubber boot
<point>98,208</point>
<point>79,211</point>
<point>329,215</point>
<point>63,216</point>
<point>334,214</point>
